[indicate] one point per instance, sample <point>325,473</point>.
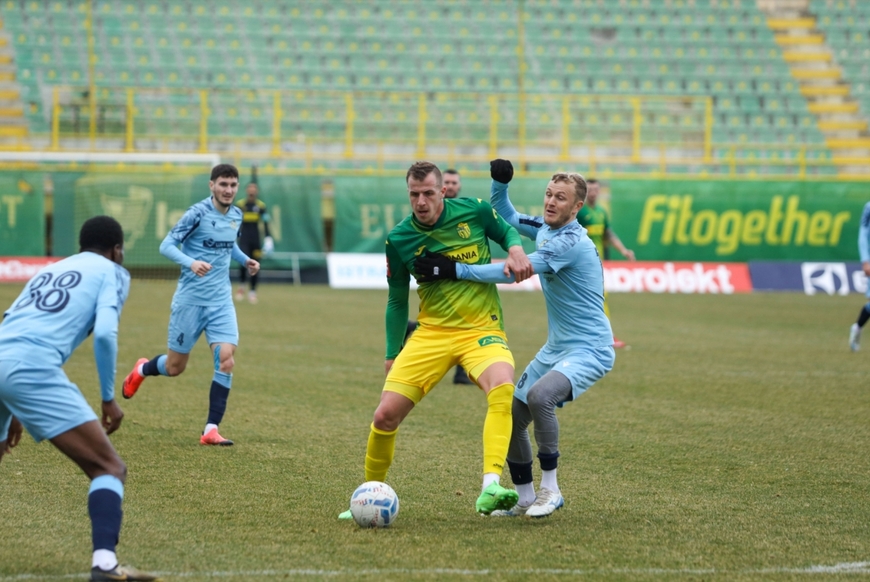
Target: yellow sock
<point>497,428</point>
<point>379,453</point>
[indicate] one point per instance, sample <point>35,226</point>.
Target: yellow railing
<point>577,130</point>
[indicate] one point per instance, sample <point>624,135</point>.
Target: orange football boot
<point>133,380</point>
<point>212,437</point>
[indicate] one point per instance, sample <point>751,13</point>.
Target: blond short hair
<point>578,180</point>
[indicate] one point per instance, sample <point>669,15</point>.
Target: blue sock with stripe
<point>217,399</point>
<point>155,367</point>
<point>104,508</point>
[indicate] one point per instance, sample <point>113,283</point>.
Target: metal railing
<point>379,127</point>
<point>296,262</point>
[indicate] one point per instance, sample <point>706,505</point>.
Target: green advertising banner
<point>677,220</point>
<point>738,220</point>
<point>22,214</point>
<point>672,220</point>
<point>148,205</point>
<point>294,205</point>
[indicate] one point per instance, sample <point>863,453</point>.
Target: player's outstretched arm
<point>494,273</point>
<point>518,264</point>
<point>434,267</point>
<point>501,172</point>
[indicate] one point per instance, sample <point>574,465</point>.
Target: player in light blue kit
<point>203,300</point>
<point>864,252</point>
<point>59,307</point>
<point>579,348</point>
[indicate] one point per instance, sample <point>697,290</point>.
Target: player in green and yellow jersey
<point>595,220</point>
<point>460,322</point>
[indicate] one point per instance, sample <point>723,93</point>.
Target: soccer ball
<point>374,504</point>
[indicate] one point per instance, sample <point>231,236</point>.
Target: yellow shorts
<point>431,352</point>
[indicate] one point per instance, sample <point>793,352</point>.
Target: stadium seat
<point>663,48</point>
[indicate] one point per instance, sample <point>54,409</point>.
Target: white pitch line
<point>842,568</point>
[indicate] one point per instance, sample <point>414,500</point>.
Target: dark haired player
<point>203,300</point>
<point>460,322</point>
<point>59,307</point>
<point>452,183</point>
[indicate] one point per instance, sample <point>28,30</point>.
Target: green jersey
<point>460,233</point>
<point>596,222</point>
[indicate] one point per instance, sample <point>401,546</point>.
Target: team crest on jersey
<point>233,224</point>
<point>463,230</point>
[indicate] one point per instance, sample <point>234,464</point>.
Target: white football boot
<point>546,503</point>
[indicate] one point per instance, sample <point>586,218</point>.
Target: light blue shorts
<point>43,399</point>
<point>187,322</point>
<point>583,367</point>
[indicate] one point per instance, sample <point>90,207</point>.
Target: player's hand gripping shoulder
<point>501,170</point>
<point>200,268</point>
<point>434,267</point>
<point>112,416</point>
<point>518,263</point>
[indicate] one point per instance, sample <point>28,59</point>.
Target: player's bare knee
<point>175,368</point>
<point>118,469</point>
<point>386,419</point>
<point>105,465</point>
<point>226,365</point>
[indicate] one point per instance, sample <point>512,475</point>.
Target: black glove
<point>434,267</point>
<point>501,170</point>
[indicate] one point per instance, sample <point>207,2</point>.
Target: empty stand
<point>704,80</point>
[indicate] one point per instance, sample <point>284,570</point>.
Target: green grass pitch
<point>731,442</point>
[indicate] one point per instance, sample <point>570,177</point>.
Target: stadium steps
<point>13,126</point>
<point>821,80</point>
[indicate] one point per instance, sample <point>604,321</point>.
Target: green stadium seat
<point>680,48</point>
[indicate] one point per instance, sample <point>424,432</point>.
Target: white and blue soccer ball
<point>374,504</point>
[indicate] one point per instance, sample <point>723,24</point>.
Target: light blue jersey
<point>205,235</point>
<point>864,234</point>
<point>864,240</point>
<point>60,307</point>
<point>571,277</point>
